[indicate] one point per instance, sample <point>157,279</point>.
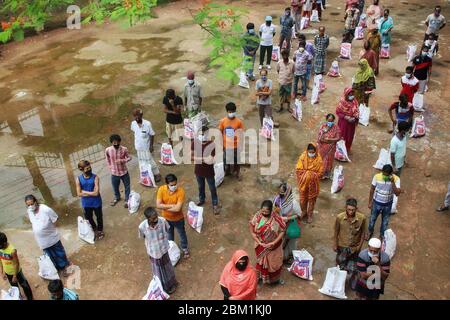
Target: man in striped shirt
<point>117,157</point>
<point>374,268</point>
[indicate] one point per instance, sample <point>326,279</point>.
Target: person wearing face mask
<point>43,222</point>
<point>363,82</point>
<point>404,112</point>
<point>369,259</point>
<point>309,171</point>
<point>296,9</point>
<point>321,43</point>
<point>385,26</point>
<point>88,189</point>
<point>173,106</point>
<point>267,33</point>
<point>192,95</point>
<point>289,210</point>
<point>285,70</point>
<point>410,84</point>
<point>374,41</point>
<point>329,135</point>
<point>286,23</point>
<point>117,157</point>
<point>264,96</point>
<point>348,114</point>
<point>301,59</point>
<point>155,232</point>
<point>309,47</point>
<point>398,147</point>
<point>203,152</point>
<point>422,69</point>
<point>384,186</point>
<point>144,137</point>
<point>251,45</point>
<point>267,229</point>
<point>351,19</point>
<point>238,280</point>
<point>170,199</point>
<point>435,22</point>
<point>373,15</point>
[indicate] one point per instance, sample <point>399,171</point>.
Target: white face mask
<point>33,207</point>
<point>371,255</point>
<point>191,82</point>
<point>173,188</point>
<point>424,53</point>
<point>231,115</point>
<point>202,137</point>
<point>408,75</point>
<point>311,155</point>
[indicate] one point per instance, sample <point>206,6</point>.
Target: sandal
<point>114,202</point>
<point>186,254</point>
<point>442,209</point>
<point>216,210</point>
<point>100,235</point>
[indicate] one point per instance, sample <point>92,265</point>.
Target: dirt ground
<point>81,83</point>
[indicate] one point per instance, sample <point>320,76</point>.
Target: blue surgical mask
<point>263,78</point>
<point>191,82</point>
<point>251,31</point>
<point>330,124</point>
<point>350,98</point>
<point>231,115</point>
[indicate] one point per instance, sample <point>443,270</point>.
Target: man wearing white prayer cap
<point>373,266</point>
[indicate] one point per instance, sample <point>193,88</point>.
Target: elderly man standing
<point>155,232</point>
<point>349,231</point>
<point>192,95</point>
<point>321,43</point>
<point>373,268</point>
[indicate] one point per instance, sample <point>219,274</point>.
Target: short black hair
<point>30,197</point>
<point>409,69</point>
<point>387,168</point>
<point>3,239</point>
<point>115,137</point>
<point>171,178</point>
<point>351,202</point>
<point>403,126</point>
<point>267,204</point>
<point>170,93</point>
<point>205,128</point>
<point>425,47</point>
<point>437,7</point>
<point>330,115</point>
<point>301,36</point>
<point>287,8</point>
<point>250,25</point>
<point>150,212</point>
<point>55,286</point>
<point>387,10</point>
<point>230,106</point>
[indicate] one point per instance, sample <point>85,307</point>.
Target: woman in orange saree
<point>309,170</point>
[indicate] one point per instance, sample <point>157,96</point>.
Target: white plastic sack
<point>302,265</point>
<point>219,173</point>
<point>383,159</point>
<point>293,32</point>
<point>304,23</point>
<point>243,82</point>
<point>174,253</point>
<point>346,50</point>
<point>389,243</point>
<point>276,53</point>
<point>341,153</point>
<point>167,156</point>
<point>297,112</point>
<point>418,102</point>
<point>315,16</point>
<point>411,52</point>
<point>13,293</point>
<point>133,202</point>
<point>315,94</point>
<point>338,179</point>
<point>47,269</point>
<point>146,176</point>
<point>195,216</point>
<point>359,33</point>
<point>155,290</point>
<point>418,129</point>
<point>267,129</point>
<point>334,284</point>
<point>364,114</point>
<point>85,231</point>
<point>334,69</point>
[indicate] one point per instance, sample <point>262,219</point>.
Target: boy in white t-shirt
<point>267,33</point>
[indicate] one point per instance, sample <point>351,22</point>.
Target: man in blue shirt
<point>286,23</point>
<point>58,292</point>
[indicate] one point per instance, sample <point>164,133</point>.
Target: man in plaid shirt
<point>321,43</point>
<point>117,157</point>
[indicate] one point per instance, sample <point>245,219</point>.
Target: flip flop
<point>114,202</point>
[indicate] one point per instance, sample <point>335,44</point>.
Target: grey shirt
<point>193,94</point>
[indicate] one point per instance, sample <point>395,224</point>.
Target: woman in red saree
<point>348,114</point>
<point>267,229</point>
<point>329,135</point>
<point>238,280</point>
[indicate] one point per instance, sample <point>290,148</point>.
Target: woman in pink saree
<point>373,15</point>
<point>348,114</point>
<point>329,135</point>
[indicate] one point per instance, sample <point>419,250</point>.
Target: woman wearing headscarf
<point>363,82</point>
<point>289,210</point>
<point>374,41</point>
<point>309,170</point>
<point>348,114</point>
<point>373,15</point>
<point>267,229</point>
<point>329,135</point>
<point>238,280</point>
<point>385,26</point>
<point>370,56</point>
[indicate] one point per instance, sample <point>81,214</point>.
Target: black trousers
<point>89,215</point>
<point>22,281</point>
<point>262,53</point>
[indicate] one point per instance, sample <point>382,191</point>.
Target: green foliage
<point>222,23</point>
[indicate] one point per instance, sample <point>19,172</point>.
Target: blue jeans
<point>179,225</point>
<point>212,187</point>
<point>385,211</point>
<point>303,79</point>
<point>115,181</point>
<point>250,64</point>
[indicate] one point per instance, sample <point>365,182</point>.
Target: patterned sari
<point>309,171</point>
<point>269,260</point>
<point>350,109</point>
<point>327,150</point>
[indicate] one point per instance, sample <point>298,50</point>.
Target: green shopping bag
<point>293,230</point>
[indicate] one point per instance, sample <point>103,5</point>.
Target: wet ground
<point>64,92</point>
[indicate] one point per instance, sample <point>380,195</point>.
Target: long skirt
<point>163,269</point>
<point>327,152</point>
<point>268,267</point>
<point>347,131</point>
<point>58,255</point>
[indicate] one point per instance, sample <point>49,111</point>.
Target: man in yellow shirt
<point>170,199</point>
<point>10,267</point>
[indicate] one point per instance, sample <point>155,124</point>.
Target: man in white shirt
<point>435,22</point>
<point>43,222</point>
<point>267,33</point>
<point>143,141</point>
